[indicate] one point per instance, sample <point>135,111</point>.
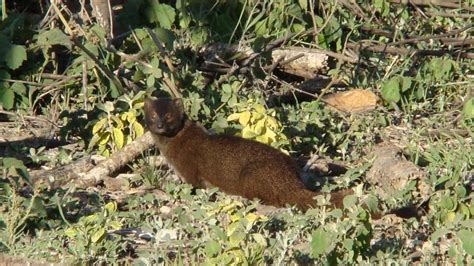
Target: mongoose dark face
<point>164,116</point>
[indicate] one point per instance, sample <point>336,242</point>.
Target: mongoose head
<point>164,116</point>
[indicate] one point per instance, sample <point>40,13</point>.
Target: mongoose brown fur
<point>235,165</point>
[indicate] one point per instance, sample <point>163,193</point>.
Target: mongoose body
<point>235,165</point>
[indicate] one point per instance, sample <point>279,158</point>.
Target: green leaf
<point>94,140</point>
<point>406,83</point>
<point>349,201</point>
<point>232,228</point>
<point>92,219</point>
<point>332,31</point>
<point>150,81</point>
<point>199,36</point>
<point>54,37</point>
<point>468,110</point>
<point>303,4</point>
<point>378,4</point>
<point>15,56</point>
<point>259,127</point>
<point>7,98</point>
<point>371,202</point>
<point>213,248</point>
<point>348,244</point>
<point>111,207</point>
<point>233,117</point>
<point>244,118</point>
<point>261,28</point>
<point>260,239</point>
<point>5,189</point>
<point>118,138</point>
<point>91,47</point>
<point>184,20</point>
<point>98,235</point>
<point>18,165</point>
<point>99,125</point>
<point>19,88</point>
<point>467,239</point>
<point>226,92</point>
<point>468,223</point>
<point>391,90</point>
<point>104,138</point>
<point>247,133</point>
<point>115,225</point>
<point>71,232</point>
<point>448,203</point>
<point>461,191</point>
<point>236,238</point>
<point>165,36</point>
<point>463,209</point>
<point>38,207</point>
<point>320,241</point>
<point>108,106</point>
<point>163,14</point>
<point>118,123</point>
<point>138,128</point>
<point>438,233</point>
<point>3,74</point>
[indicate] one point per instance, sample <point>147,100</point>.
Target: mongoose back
<point>235,165</point>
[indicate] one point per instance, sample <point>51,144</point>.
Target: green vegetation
<point>61,72</point>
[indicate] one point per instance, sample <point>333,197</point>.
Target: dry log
<point>119,159</point>
<point>391,174</point>
<point>309,63</point>
<point>86,174</point>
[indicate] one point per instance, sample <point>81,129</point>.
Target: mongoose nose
<point>159,124</point>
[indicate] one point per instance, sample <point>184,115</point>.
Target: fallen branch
<point>441,3</point>
<point>269,47</point>
<point>384,48</point>
<point>29,117</point>
<point>355,8</point>
<point>434,37</point>
<point>86,173</point>
<point>449,15</point>
<point>376,31</point>
<point>62,175</point>
<point>118,160</point>
<point>303,62</point>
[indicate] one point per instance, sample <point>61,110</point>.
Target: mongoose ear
<point>179,104</point>
<point>148,102</point>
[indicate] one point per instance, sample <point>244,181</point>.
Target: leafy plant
<point>14,215</point>
<point>114,131</point>
<point>393,88</point>
<point>89,235</point>
<point>405,89</point>
<point>345,241</point>
<point>15,170</point>
<point>259,123</point>
<point>238,242</point>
